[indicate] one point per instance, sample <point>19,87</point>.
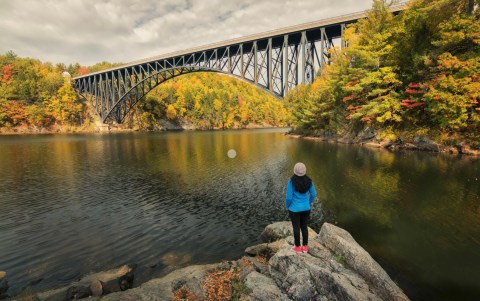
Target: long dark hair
<point>301,184</point>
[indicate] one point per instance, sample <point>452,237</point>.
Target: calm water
<point>74,204</point>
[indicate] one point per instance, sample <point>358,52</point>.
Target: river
<point>79,203</point>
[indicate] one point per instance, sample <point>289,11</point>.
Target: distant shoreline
<point>419,143</point>
<point>112,129</point>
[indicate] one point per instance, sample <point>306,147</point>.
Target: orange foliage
<point>83,70</point>
<point>240,101</point>
<point>16,112</point>
<point>409,103</point>
<point>184,294</point>
<point>354,108</point>
<point>349,98</point>
<point>366,119</point>
<point>7,73</point>
<point>218,284</point>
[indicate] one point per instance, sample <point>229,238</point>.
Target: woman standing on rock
<point>300,194</point>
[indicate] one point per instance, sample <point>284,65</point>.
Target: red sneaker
<point>298,249</point>
<point>305,249</point>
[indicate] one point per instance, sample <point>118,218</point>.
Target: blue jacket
<point>296,201</point>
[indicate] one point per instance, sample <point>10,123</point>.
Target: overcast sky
<point>91,31</point>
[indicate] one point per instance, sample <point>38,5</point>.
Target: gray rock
<point>77,292</point>
<point>96,287</point>
<point>246,266</point>
<point>366,134</point>
<point>279,230</point>
<point>266,248</point>
<point>319,275</point>
<point>341,243</point>
<point>426,144</point>
<point>263,288</point>
<point>330,272</point>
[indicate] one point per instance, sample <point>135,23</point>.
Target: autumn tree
<point>65,106</point>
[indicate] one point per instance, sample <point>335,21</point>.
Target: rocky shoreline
<point>335,268</point>
<point>369,138</point>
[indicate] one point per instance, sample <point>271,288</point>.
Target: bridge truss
<point>276,61</point>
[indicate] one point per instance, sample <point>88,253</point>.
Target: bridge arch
<point>128,100</point>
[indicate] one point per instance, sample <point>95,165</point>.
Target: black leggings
<point>300,221</point>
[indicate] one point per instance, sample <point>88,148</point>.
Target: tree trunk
<point>471,6</point>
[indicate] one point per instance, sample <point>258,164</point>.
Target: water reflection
<point>73,204</point>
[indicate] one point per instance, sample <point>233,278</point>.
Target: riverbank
<point>334,268</point>
<point>372,139</point>
<point>105,128</point>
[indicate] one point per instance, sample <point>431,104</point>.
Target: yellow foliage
<point>171,112</point>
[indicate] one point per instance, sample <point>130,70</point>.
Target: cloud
<point>91,31</point>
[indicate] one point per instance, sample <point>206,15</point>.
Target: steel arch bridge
<point>276,61</point>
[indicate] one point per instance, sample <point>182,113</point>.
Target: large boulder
<point>317,276</point>
<point>279,230</point>
<point>341,243</point>
<point>326,272</point>
<point>335,268</point>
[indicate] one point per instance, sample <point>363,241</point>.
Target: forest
<point>415,73</point>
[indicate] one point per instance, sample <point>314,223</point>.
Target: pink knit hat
<point>300,169</point>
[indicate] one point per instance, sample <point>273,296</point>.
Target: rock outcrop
<point>94,285</point>
<point>335,268</point>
